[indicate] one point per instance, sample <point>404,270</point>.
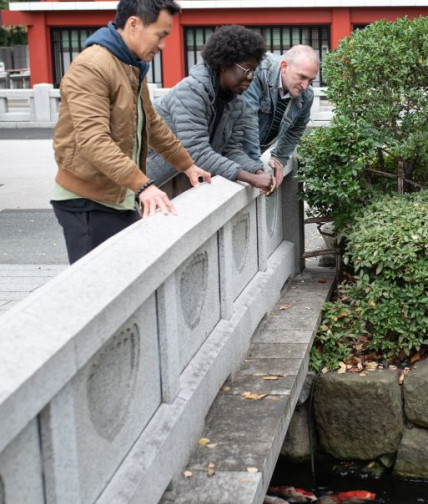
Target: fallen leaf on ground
<point>244,480</point>
<point>342,368</point>
<point>225,388</point>
<point>252,469</point>
<point>253,396</point>
<point>271,377</point>
<point>212,445</point>
<point>353,360</point>
<point>187,474</point>
<point>211,470</point>
<point>371,366</point>
<point>204,441</point>
<point>324,370</point>
<point>415,357</point>
<point>285,307</point>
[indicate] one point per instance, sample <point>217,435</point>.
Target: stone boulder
<point>296,446</point>
<point>359,417</point>
<point>415,394</point>
<point>412,456</point>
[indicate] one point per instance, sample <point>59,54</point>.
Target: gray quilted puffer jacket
<point>188,109</point>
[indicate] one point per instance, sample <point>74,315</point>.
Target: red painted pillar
<point>341,25</point>
<point>40,52</point>
<point>172,55</point>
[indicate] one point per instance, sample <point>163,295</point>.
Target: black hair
<point>232,44</point>
<point>147,10</point>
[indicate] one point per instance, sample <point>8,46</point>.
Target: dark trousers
<point>85,230</point>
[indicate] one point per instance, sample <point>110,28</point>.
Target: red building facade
<point>322,23</point>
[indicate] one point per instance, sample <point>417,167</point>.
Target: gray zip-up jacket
<point>260,103</point>
<point>188,109</point>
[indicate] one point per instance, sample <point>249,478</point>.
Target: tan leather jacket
<point>95,133</point>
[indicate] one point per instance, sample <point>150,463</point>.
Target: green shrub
<point>380,76</point>
<point>385,308</point>
<point>378,82</point>
<point>332,164</point>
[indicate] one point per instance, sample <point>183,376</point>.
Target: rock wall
<point>367,417</point>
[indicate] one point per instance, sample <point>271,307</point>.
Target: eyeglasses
<point>249,73</point>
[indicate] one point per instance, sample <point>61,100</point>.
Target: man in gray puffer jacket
<point>205,110</point>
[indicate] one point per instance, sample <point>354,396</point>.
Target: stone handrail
<point>40,105</point>
<point>108,371</point>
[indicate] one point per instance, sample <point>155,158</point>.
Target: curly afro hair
<point>232,44</point>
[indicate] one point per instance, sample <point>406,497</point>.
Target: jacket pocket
<point>265,106</point>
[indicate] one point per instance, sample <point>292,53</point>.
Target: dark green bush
<point>385,308</point>
<point>378,82</point>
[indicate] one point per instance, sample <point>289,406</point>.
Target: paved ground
<point>32,248</point>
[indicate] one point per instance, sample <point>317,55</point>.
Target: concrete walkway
<point>248,420</point>
<point>32,248</point>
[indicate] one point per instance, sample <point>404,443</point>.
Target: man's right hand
<point>153,198</point>
<point>260,179</point>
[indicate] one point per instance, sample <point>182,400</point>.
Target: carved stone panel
<point>113,397</point>
<point>118,362</point>
<point>244,248</point>
<point>273,221</point>
<point>21,477</point>
<point>193,288</point>
<point>198,299</point>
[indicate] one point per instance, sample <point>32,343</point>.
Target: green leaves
<point>386,303</point>
<point>378,82</point>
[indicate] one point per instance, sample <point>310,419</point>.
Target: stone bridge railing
<point>40,105</point>
<point>108,371</point>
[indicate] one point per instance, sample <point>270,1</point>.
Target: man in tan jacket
<point>105,125</point>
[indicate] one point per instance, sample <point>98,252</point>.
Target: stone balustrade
<point>39,106</point>
<point>108,371</point>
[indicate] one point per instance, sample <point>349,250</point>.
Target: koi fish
<point>274,500</point>
<point>354,496</point>
<point>297,494</point>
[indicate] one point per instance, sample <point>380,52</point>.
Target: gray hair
<point>300,51</point>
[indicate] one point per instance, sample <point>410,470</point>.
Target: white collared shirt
<point>283,93</point>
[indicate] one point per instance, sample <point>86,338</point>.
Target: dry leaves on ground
<point>253,396</point>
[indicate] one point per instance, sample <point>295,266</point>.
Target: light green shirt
<point>61,194</point>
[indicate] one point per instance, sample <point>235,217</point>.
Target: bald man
<point>278,105</point>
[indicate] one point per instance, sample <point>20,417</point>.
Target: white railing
<point>40,105</point>
<point>108,371</point>
<point>37,105</point>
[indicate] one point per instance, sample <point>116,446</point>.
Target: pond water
<point>388,490</point>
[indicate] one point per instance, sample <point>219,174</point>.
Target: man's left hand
<point>278,170</point>
<point>195,173</point>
